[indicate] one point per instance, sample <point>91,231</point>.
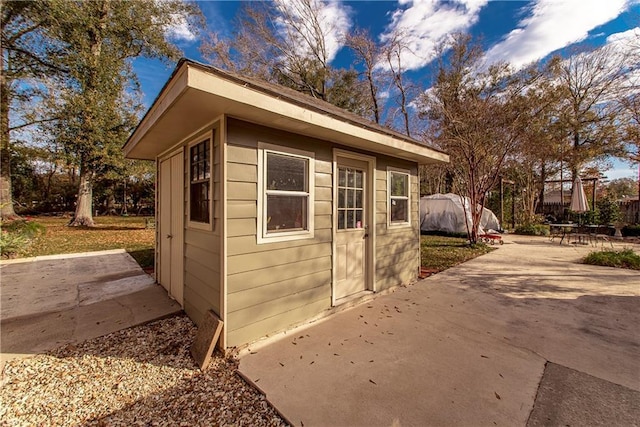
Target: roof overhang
<point>194,96</point>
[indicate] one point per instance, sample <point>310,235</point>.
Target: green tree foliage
<point>96,112</point>
<point>589,82</point>
<point>479,116</point>
<point>25,52</point>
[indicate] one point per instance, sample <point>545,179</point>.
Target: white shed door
<point>352,228</point>
<point>171,230</point>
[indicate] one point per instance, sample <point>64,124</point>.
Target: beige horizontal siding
<point>395,258</point>
<point>277,323</point>
<point>397,247</point>
<point>246,244</point>
<point>271,285</point>
<point>242,209</point>
<point>291,256</point>
<point>202,259</point>
<point>201,240</point>
<point>266,309</point>
<point>248,280</point>
<point>238,154</point>
<point>242,172</point>
<point>242,191</point>
<point>241,227</point>
<point>274,291</point>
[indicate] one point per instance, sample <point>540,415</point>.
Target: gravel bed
<point>138,376</point>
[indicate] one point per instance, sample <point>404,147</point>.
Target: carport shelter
<point>273,206</point>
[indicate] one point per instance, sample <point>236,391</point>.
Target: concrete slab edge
<point>535,398</point>
<point>256,387</point>
<point>62,256</point>
<point>7,357</point>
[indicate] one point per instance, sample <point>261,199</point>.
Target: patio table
<point>569,230</point>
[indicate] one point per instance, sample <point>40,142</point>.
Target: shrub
<point>15,236</point>
<point>532,230</point>
<point>609,210</point>
<point>622,259</point>
<point>631,230</point>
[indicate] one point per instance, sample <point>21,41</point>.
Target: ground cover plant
<point>626,258</point>
<point>441,252</point>
<point>533,230</point>
<point>16,236</point>
<point>110,232</point>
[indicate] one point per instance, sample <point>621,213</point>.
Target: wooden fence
<point>630,211</point>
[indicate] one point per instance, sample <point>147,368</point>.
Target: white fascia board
<point>375,141</point>
<point>169,95</point>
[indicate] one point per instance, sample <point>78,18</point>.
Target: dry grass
<point>439,253</point>
<point>109,233</point>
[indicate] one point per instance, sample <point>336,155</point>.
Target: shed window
<point>287,195</point>
<point>350,198</point>
<point>398,197</point>
<point>200,182</point>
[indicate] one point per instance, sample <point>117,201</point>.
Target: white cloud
<point>627,45</point>
<point>624,38</point>
<point>180,30</point>
<point>424,24</point>
<point>553,24</point>
<point>332,18</point>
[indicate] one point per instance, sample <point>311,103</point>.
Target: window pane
<point>341,220</point>
<point>358,179</point>
<point>200,202</point>
<point>342,177</point>
<point>351,198</point>
<point>286,213</point>
<point>286,173</point>
<point>342,198</point>
<point>351,223</point>
<point>199,168</point>
<point>399,184</point>
<point>350,178</point>
<point>399,210</point>
<point>359,219</point>
<point>358,198</point>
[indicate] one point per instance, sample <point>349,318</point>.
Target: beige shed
<point>272,206</point>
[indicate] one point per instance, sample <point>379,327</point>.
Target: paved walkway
<point>470,346</point>
<point>50,301</point>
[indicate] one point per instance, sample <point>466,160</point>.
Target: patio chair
<point>582,235</point>
<point>603,234</point>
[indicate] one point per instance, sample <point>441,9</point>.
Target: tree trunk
<point>83,216</point>
<point>6,200</point>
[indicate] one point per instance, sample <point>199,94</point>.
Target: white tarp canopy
<point>444,212</point>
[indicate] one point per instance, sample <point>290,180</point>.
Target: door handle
<point>169,236</point>
<point>366,235</point>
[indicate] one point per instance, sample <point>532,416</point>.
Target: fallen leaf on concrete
<point>373,382</point>
<point>497,395</point>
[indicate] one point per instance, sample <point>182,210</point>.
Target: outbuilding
<point>273,206</point>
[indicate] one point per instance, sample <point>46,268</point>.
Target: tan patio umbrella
<point>578,198</point>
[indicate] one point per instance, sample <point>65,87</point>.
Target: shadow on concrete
<point>571,398</point>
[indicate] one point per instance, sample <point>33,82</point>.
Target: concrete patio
<point>54,300</point>
<point>523,335</point>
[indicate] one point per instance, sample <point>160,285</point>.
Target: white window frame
<point>209,138</point>
<point>263,236</point>
<point>407,223</point>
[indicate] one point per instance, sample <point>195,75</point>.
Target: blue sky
<point>514,31</point>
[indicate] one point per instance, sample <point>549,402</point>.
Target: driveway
<point>54,300</point>
<point>523,335</point>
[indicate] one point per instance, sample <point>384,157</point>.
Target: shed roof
<point>196,94</point>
